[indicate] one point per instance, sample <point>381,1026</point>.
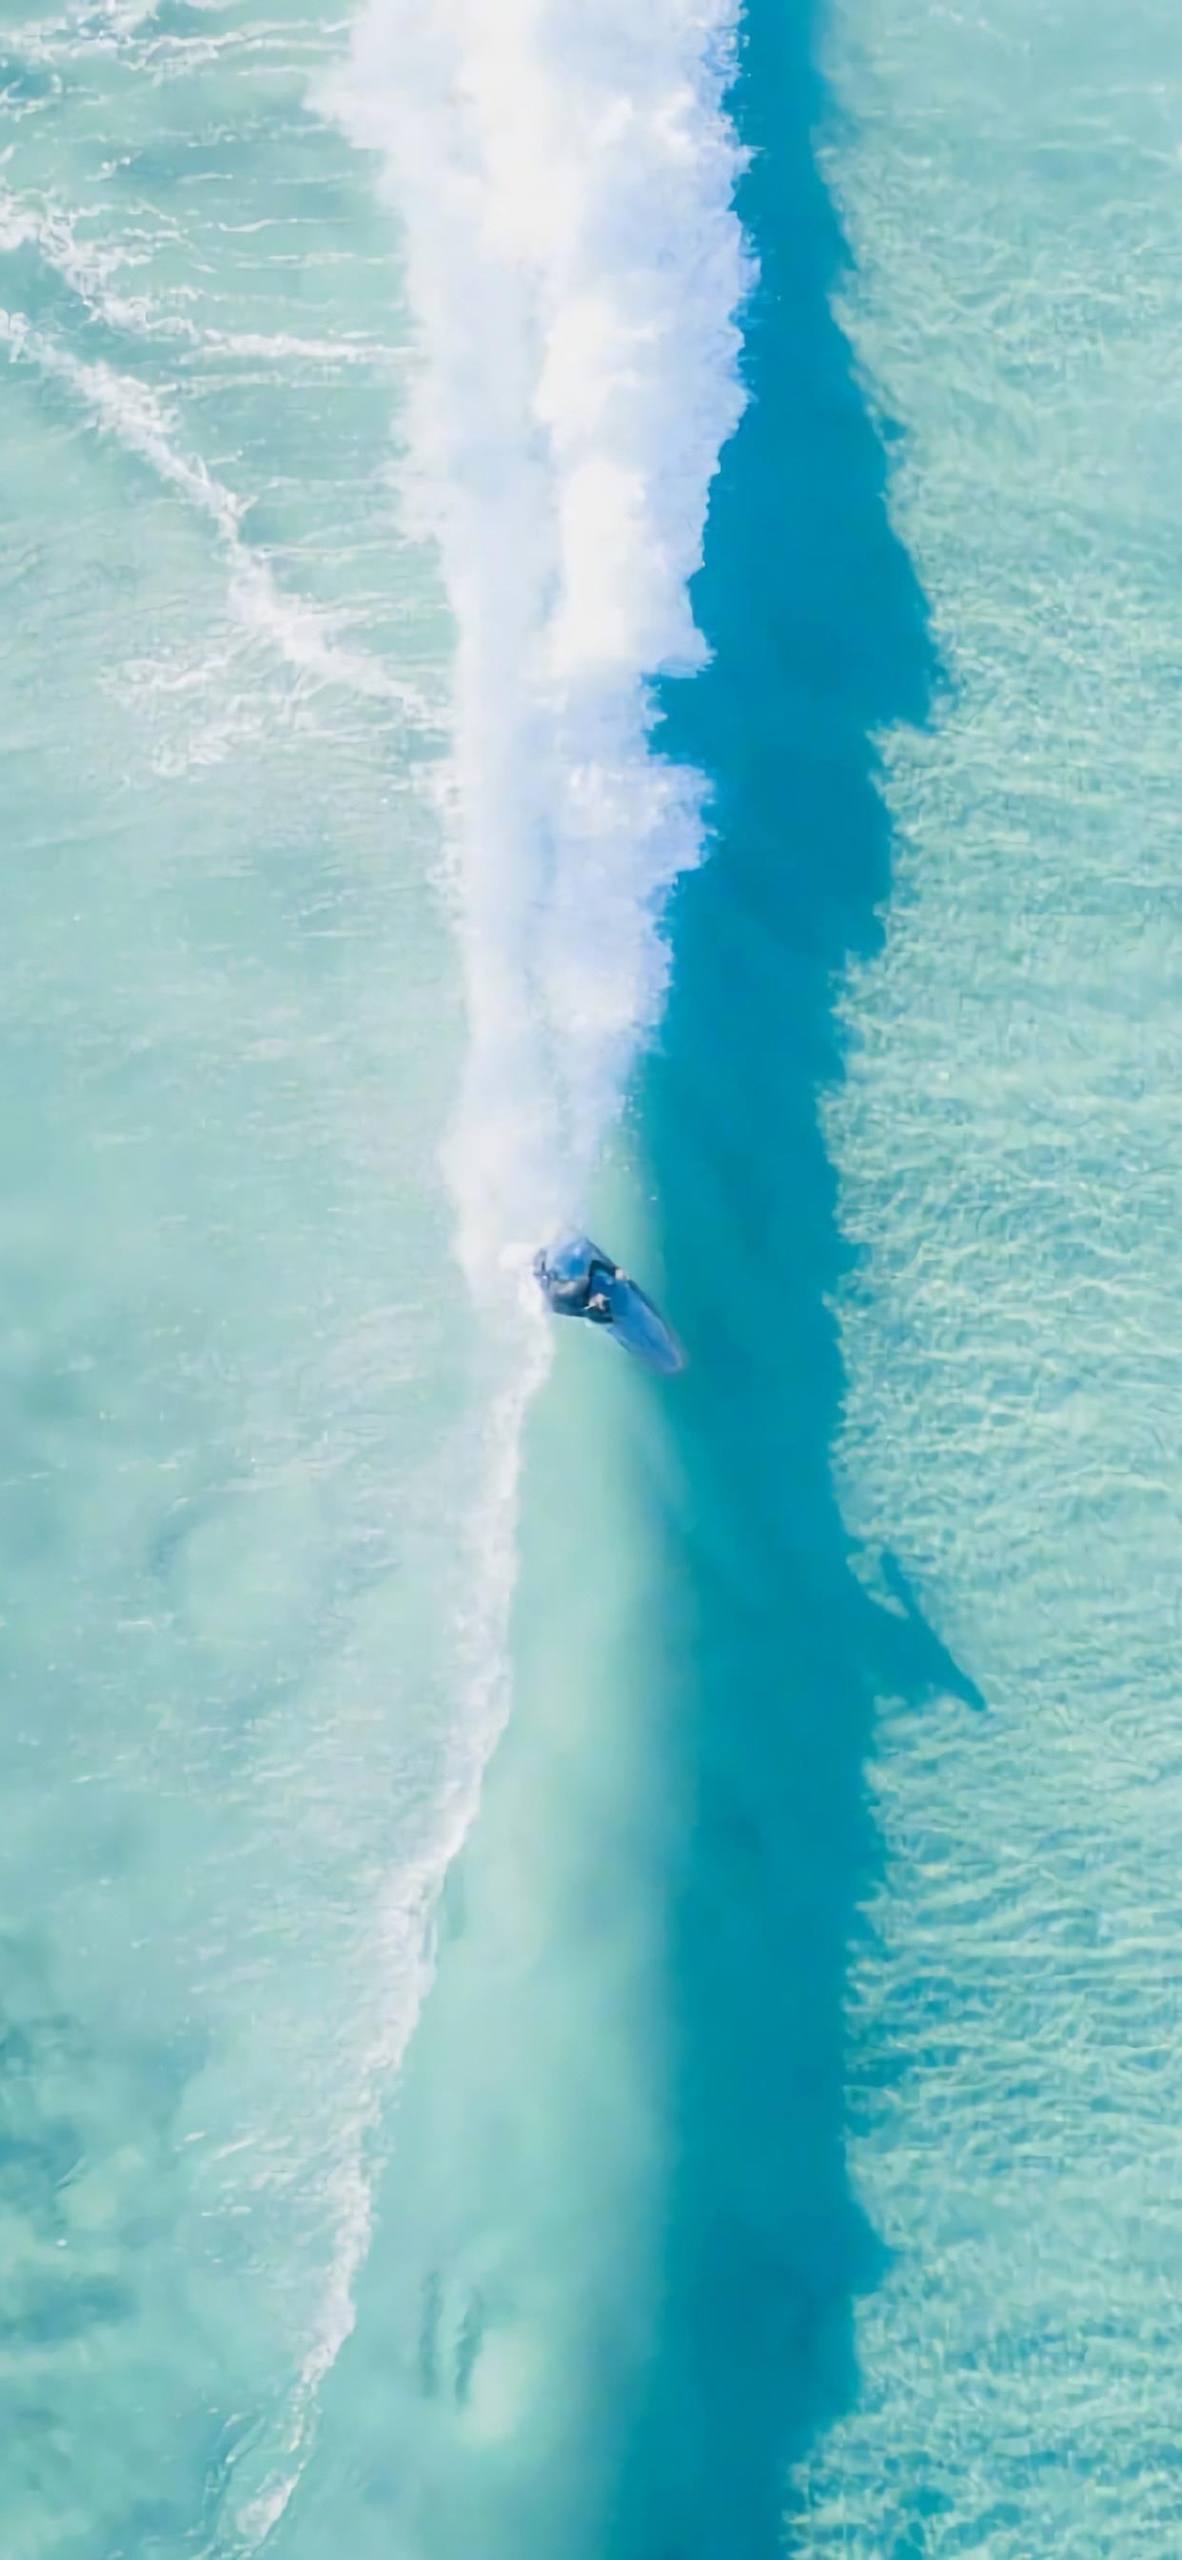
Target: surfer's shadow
<point>906,1657</point>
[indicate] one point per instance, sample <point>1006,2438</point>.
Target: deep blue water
<point>775,1651</point>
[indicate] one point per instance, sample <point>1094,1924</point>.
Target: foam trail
<point>130,411</point>
<point>404,1949</point>
<point>565,179</point>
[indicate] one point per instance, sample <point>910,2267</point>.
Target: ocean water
<point>586,1963</point>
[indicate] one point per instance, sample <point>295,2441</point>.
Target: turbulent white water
<point>565,180</point>
<point>575,265</point>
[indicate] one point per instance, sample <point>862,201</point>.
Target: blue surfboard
<point>640,1328</point>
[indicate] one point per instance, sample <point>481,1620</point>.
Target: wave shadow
<point>774,1650</point>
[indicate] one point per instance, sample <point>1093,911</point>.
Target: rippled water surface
<point>1011,1165</point>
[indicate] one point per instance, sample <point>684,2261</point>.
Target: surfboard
<point>640,1328</point>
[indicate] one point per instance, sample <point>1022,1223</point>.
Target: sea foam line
<point>128,410</point>
<point>88,266</point>
<point>404,1939</point>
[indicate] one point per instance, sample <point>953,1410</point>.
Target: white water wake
<point>565,181</point>
<point>565,187</point>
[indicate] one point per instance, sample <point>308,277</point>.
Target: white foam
<point>565,182</point>
<point>90,267</point>
<point>279,346</point>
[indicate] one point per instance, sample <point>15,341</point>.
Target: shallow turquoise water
<point>785,2145</point>
<point>225,1475</point>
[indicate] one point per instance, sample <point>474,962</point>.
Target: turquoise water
<point>230,1433</point>
<point>754,2127</point>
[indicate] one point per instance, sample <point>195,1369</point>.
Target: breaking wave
<point>565,185</point>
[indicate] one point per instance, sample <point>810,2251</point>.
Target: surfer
<point>581,1290</point>
<point>577,1278</point>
